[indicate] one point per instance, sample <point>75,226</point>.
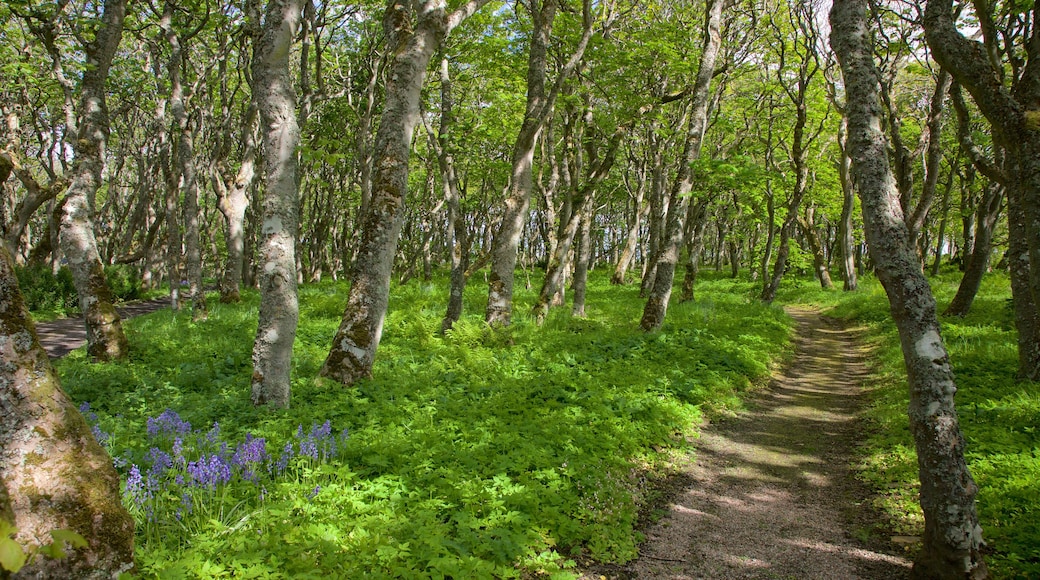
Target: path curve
<point>62,336</point>
<point>771,493</point>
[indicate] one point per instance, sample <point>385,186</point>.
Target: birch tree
<point>413,35</point>
<point>276,101</point>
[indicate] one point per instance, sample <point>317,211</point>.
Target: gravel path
<point>62,336</point>
<point>770,493</point>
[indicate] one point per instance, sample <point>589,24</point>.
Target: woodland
<point>452,285</point>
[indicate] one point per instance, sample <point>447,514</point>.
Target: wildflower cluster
<point>186,471</point>
<point>92,419</point>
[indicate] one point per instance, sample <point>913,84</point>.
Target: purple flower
<point>89,415</point>
<point>169,422</point>
<point>101,436</point>
<point>213,434</point>
<point>249,454</point>
<point>316,491</point>
<point>210,471</point>
<point>160,460</point>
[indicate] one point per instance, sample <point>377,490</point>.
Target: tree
<point>667,256</point>
<point>1007,95</point>
<point>952,540</point>
<point>413,35</point>
<point>55,476</point>
<point>276,100</point>
<point>90,128</point>
<point>540,105</point>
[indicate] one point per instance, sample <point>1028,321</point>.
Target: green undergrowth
<point>999,415</point>
<point>481,453</point>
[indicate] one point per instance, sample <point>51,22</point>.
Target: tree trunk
<point>978,265</point>
<point>518,195</point>
<point>582,258</point>
<point>275,99</point>
<point>458,237</point>
<point>816,248</point>
<point>233,201</point>
<point>414,37</point>
<point>632,239</point>
<point>697,221</point>
<point>668,256</point>
<point>1011,114</point>
<point>105,337</point>
<point>55,476</point>
<point>845,229</point>
<point>1027,317</point>
<point>658,216</point>
<point>953,537</point>
<point>186,176</point>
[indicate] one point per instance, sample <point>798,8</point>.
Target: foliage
<point>47,294</point>
<point>998,413</point>
<point>475,454</point>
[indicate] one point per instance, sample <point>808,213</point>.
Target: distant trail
<point>62,336</point>
<point>770,493</point>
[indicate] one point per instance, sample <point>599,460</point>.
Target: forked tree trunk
<point>105,337</point>
<point>668,256</point>
<point>816,248</point>
<point>233,201</point>
<point>55,476</point>
<point>540,103</point>
<point>952,540</point>
<point>696,223</point>
<point>414,36</point>
<point>279,307</point>
<point>458,236</point>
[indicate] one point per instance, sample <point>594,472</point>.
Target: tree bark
<point>1012,115</point>
<point>105,337</point>
<point>952,540</point>
<point>233,201</point>
<point>275,99</point>
<point>816,248</point>
<point>978,265</point>
<point>845,227</point>
<point>55,476</point>
<point>414,37</point>
<point>668,256</point>
<point>582,258</point>
<point>458,236</point>
<point>696,222</point>
<point>518,195</point>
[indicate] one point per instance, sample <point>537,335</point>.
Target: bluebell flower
<point>316,491</point>
<point>210,471</point>
<point>168,422</point>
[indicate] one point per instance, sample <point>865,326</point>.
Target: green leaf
<point>72,538</point>
<point>12,557</point>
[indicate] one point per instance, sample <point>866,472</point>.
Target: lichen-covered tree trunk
<point>628,253</point>
<point>275,99</point>
<point>55,476</point>
<point>668,255</point>
<point>233,201</point>
<point>952,542</point>
<point>105,337</point>
<point>414,36</point>
<point>1027,318</point>
<point>658,215</point>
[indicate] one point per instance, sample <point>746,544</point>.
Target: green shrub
<point>124,281</point>
<point>46,292</point>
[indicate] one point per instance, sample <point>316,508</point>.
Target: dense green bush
<point>45,292</point>
<point>54,296</point>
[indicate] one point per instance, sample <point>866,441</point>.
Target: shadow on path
<point>771,492</point>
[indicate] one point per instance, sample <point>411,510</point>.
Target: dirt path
<point>770,494</point>
<point>62,336</point>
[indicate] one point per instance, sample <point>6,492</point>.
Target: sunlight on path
<point>772,495</point>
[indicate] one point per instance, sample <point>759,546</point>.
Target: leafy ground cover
<point>475,454</point>
<point>1000,416</point>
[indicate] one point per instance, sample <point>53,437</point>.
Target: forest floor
<point>770,493</point>
<point>64,335</point>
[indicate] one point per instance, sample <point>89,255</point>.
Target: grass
<point>999,415</point>
<point>480,453</point>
